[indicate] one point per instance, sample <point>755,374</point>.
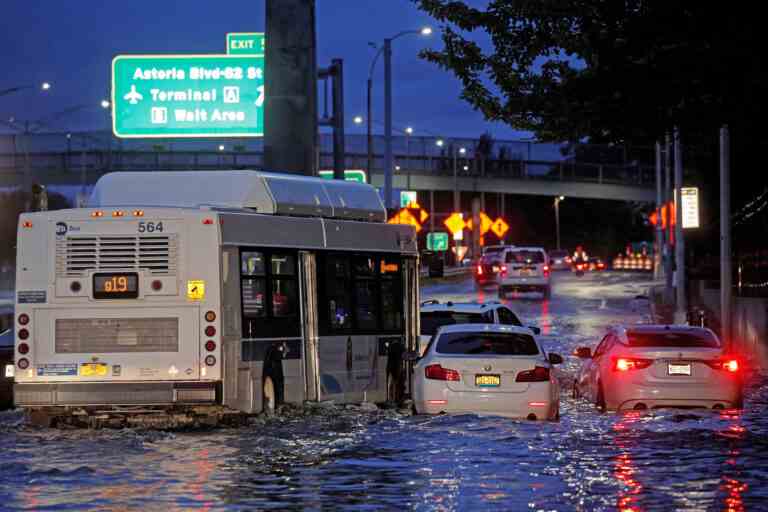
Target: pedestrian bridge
<point>596,181</point>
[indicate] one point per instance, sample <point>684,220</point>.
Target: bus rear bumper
<point>115,393</point>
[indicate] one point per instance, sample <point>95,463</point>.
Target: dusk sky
<point>71,44</point>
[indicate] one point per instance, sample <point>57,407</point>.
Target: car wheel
<point>269,395</point>
<point>600,401</point>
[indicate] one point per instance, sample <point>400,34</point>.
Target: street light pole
<point>370,124</point>
<point>388,123</point>
<point>681,305</point>
<point>557,219</point>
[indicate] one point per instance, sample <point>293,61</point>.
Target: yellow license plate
<point>93,370</point>
<point>488,381</point>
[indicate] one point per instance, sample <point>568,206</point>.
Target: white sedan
<point>651,366</point>
<point>486,369</point>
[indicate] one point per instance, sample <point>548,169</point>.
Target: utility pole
<point>659,224</point>
<point>388,167</point>
<point>725,239</point>
<point>668,291</point>
<point>370,128</point>
<point>290,113</point>
<point>681,306</point>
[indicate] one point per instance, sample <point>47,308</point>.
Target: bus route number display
<point>116,286</point>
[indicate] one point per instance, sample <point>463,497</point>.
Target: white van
<point>527,269</point>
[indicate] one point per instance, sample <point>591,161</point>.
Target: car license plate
<point>93,370</point>
<point>495,268</point>
<point>487,381</point>
<point>525,272</point>
<point>679,368</point>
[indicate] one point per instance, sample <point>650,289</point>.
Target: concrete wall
<point>750,320</point>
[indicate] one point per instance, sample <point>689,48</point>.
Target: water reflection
<point>624,468</point>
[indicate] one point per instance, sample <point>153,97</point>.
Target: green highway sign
<point>437,241</point>
<point>349,175</point>
<point>245,43</point>
<point>188,96</point>
<point>407,197</point>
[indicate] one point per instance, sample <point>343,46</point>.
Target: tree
<point>611,71</point>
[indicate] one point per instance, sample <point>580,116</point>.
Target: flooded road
<point>350,458</point>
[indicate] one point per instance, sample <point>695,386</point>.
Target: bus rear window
<point>502,344</point>
<point>672,339</point>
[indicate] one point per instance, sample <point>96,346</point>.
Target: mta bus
<point>241,289</point>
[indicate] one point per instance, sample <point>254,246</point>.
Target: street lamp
<point>105,104</point>
<point>386,48</point>
<point>43,87</point>
<point>358,120</point>
<point>557,218</point>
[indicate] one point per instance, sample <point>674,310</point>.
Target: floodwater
<point>355,458</point>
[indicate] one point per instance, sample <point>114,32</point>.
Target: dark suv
<point>488,268</point>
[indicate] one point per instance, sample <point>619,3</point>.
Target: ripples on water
<point>349,458</point>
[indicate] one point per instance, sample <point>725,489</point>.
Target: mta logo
<point>61,229</point>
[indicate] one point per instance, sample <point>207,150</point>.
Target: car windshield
<point>6,338</point>
<point>558,254</point>
<point>673,339</point>
<point>432,321</point>
<point>503,344</point>
<point>525,257</point>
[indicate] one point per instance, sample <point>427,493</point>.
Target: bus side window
<point>365,292</point>
<point>254,285</point>
<point>391,294</point>
<point>337,284</point>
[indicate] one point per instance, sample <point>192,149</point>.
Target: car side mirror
<point>536,330</point>
<point>583,353</point>
<point>411,356</point>
<point>555,359</point>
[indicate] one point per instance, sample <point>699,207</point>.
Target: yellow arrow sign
<point>485,223</point>
<point>500,227</point>
<point>405,217</point>
<point>455,223</point>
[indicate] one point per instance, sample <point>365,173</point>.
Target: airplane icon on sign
<point>133,96</point>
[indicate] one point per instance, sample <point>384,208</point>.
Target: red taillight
<point>23,334</point>
<point>479,270</point>
<point>625,364</point>
<point>23,348</point>
<point>23,319</point>
<point>208,222</point>
<point>537,404</point>
<point>210,331</point>
<point>504,269</point>
<point>538,374</point>
<point>546,270</point>
<point>728,365</point>
<point>210,345</point>
<point>157,285</point>
<point>437,372</point>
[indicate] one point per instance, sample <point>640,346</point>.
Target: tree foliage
<point>610,71</point>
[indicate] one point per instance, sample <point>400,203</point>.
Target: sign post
<point>188,96</point>
<point>689,202</point>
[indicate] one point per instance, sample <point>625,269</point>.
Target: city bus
<point>241,289</point>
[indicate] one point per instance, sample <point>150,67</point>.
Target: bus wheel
<point>269,395</point>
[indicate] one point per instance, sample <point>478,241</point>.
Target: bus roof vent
<point>263,192</point>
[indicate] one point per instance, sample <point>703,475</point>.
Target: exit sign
<point>437,241</point>
<point>245,43</point>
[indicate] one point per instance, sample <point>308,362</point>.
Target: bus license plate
<point>93,370</point>
<point>487,381</point>
<point>679,368</point>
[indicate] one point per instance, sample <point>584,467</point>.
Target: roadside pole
<point>668,292</point>
<point>725,239</point>
<point>657,261</point>
<point>681,305</point>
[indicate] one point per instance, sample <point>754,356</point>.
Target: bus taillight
<point>210,331</point>
<point>210,316</point>
<point>23,348</point>
<point>210,345</point>
<point>210,360</point>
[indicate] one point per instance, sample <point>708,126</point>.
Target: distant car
<point>559,260</point>
<point>650,366</point>
<point>435,315</point>
<point>486,369</point>
<point>527,270</point>
<point>489,269</point>
<point>596,264</point>
<point>6,367</point>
